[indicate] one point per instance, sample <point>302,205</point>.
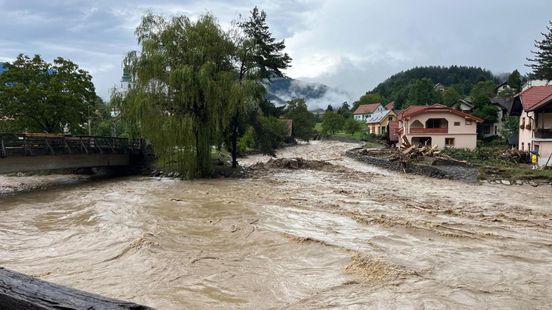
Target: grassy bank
<point>360,136</point>
<point>499,161</point>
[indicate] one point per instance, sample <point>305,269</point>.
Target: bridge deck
<point>29,152</point>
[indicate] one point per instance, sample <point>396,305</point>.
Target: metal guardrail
<point>38,144</point>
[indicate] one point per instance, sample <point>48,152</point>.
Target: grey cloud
<point>351,44</point>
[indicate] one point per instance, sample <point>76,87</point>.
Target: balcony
<point>428,130</point>
<point>543,133</point>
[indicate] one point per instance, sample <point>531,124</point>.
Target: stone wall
<point>440,171</point>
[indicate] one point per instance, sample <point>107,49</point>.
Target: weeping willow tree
<point>184,83</point>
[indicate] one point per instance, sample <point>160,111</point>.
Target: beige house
<point>438,125</point>
<point>534,105</point>
<point>378,123</point>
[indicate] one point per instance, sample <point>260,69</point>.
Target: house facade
<point>438,125</point>
<point>365,111</point>
<point>534,106</point>
<point>464,106</point>
<point>503,109</point>
<point>378,123</point>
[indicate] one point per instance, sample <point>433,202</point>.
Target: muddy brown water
<point>353,237</point>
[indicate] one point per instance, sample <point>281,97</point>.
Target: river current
<point>350,236</point>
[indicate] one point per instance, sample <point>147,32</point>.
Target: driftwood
<point>409,153</point>
<point>21,292</point>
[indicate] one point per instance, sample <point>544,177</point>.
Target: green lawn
<point>371,143</point>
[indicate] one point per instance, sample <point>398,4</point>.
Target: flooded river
<point>349,236</point>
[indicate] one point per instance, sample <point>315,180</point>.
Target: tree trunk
<point>235,124</point>
<point>18,291</point>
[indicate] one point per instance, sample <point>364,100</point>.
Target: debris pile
<point>411,152</point>
<point>292,164</point>
<point>516,156</point>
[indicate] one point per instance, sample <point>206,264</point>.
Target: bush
<point>486,155</point>
<point>332,123</point>
<point>247,141</point>
<point>270,133</point>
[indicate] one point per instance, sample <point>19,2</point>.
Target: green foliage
<point>510,127</point>
<point>184,88</point>
<point>247,141</point>
<point>481,95</point>
<point>303,120</point>
<point>270,133</point>
<point>121,124</point>
<point>514,81</point>
<point>396,88</point>
<point>329,108</point>
<point>332,123</point>
<point>488,112</point>
<point>542,61</point>
<point>422,92</point>
<point>367,99</point>
<point>258,57</point>
<point>261,52</point>
<point>451,96</point>
<point>345,111</point>
<point>49,97</point>
<point>353,126</point>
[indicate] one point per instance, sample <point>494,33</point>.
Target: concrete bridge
<point>35,151</point>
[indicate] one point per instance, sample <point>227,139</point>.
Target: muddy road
<point>347,235</point>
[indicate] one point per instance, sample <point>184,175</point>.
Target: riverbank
<point>20,183</point>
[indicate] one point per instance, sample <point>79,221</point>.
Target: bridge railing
<point>38,144</point>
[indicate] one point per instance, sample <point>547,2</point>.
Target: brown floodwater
<point>347,236</point>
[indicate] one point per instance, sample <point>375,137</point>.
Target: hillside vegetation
<point>462,78</point>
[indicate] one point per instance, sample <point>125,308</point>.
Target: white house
<point>364,111</point>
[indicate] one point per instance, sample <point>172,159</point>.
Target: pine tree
<point>259,57</point>
<point>514,81</point>
<point>542,62</point>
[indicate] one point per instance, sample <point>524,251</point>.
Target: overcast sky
<point>348,44</point>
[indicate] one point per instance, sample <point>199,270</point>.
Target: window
<point>468,122</point>
<point>456,123</point>
<point>522,123</point>
<point>435,123</point>
<point>522,146</point>
<point>449,141</point>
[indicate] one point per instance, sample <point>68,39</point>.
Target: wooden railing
<point>428,130</point>
<point>36,144</point>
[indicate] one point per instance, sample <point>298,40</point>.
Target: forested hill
<point>461,77</point>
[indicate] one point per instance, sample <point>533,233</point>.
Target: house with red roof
<point>437,125</point>
<point>534,107</point>
<point>364,111</point>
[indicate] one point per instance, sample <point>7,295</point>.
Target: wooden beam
<point>52,162</point>
<point>21,292</point>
